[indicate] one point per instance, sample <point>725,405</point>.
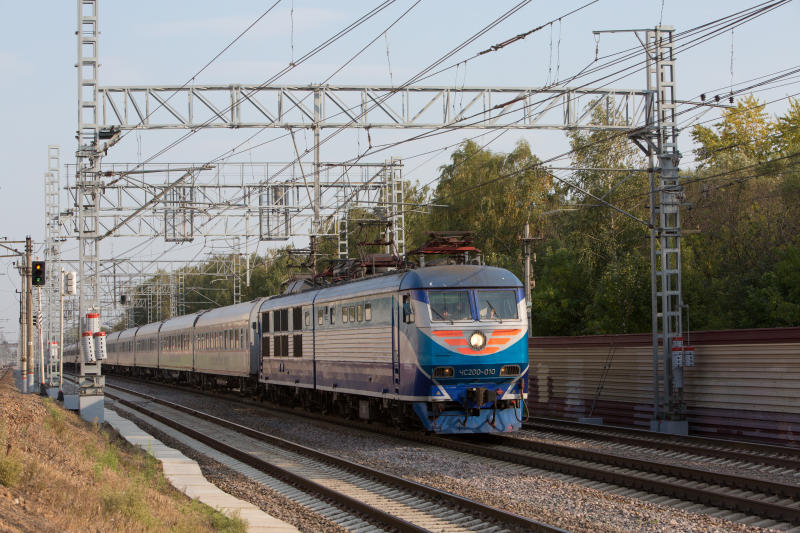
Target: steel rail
<point>656,467</point>
<point>767,454</point>
<point>619,473</point>
<point>452,500</point>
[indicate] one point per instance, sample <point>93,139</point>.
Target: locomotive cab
<point>471,349</point>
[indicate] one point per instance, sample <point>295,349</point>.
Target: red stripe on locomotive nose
<point>456,342</point>
<point>448,333</point>
<point>506,331</point>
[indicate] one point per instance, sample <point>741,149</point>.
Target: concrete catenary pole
<point>23,327</point>
<point>29,314</point>
<point>42,385</point>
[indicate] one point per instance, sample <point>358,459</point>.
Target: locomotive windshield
<point>449,305</point>
<point>496,304</point>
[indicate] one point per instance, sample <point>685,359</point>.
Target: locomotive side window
<point>408,311</point>
<point>352,313</point>
<point>344,315</point>
<point>367,312</point>
<point>333,315</point>
<point>308,318</point>
<point>359,314</point>
<point>319,317</point>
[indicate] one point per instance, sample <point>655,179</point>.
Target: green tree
<point>492,195</point>
<point>608,249</point>
<point>744,200</point>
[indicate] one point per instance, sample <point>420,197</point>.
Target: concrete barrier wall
<point>746,383</point>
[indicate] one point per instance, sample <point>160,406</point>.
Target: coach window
<point>344,315</point>
<point>297,345</point>
<point>308,318</point>
<point>319,317</point>
<point>408,311</point>
<point>297,318</point>
<point>352,313</point>
<point>359,313</point>
<point>367,312</point>
<point>333,315</point>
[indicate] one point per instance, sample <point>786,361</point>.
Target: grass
<point>219,521</point>
<point>84,476</point>
<point>10,467</point>
<point>56,417</point>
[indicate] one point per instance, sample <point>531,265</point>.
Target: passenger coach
<point>443,347</point>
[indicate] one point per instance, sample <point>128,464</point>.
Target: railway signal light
<point>70,283</point>
<point>38,273</point>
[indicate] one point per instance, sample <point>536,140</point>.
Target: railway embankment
<point>59,473</point>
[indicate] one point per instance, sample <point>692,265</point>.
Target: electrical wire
<point>714,29</point>
<point>203,68</point>
<point>325,44</point>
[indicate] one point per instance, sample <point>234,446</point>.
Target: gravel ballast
<point>542,496</point>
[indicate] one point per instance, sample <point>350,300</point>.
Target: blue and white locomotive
<point>444,347</point>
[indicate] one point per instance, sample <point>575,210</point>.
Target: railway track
<point>748,495</point>
<point>765,454</point>
<point>388,500</point>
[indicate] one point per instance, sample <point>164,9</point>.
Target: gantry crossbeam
<point>292,106</point>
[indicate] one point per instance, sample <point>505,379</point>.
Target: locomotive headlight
<point>477,340</point>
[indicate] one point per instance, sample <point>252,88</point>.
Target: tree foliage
<point>744,207</point>
<point>492,195</point>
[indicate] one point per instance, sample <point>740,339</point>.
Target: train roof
<point>149,329</point>
<point>179,322</point>
<point>130,332</point>
<point>452,276</point>
<point>230,313</point>
<point>434,277</point>
<point>362,287</point>
<point>300,298</point>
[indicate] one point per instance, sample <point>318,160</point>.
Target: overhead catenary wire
<point>714,29</point>
<point>338,35</point>
<point>203,68</point>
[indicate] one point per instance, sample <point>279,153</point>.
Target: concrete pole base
<point>672,427</point>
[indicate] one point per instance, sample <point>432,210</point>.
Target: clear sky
<point>150,43</point>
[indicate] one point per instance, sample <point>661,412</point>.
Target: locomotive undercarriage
<point>347,406</point>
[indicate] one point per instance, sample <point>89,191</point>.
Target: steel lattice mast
<point>52,250</point>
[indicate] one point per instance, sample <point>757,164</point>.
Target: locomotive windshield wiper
<point>441,315</point>
<point>496,314</point>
